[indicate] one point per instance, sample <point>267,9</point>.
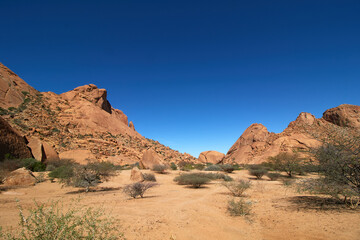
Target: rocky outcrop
<point>20,177</point>
<point>136,175</point>
<point>345,115</point>
<point>81,119</point>
<point>213,157</point>
<point>131,125</point>
<point>12,143</point>
<point>150,159</point>
<point>13,89</point>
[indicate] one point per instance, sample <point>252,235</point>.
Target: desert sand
<point>171,211</point>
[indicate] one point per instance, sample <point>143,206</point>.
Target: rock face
<point>81,119</point>
<point>131,125</point>
<point>345,115</point>
<point>256,144</point>
<point>12,143</point>
<point>12,88</point>
<point>37,149</point>
<point>20,177</point>
<point>149,159</point>
<point>136,175</point>
<point>81,156</point>
<point>213,157</point>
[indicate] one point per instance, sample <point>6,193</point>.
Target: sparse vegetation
<point>28,163</point>
<point>159,168</point>
<point>213,168</point>
<point>192,179</point>
<point>287,162</point>
<point>138,189</point>
<point>237,187</point>
<point>173,166</point>
<point>149,177</point>
<point>258,173</point>
<point>228,168</point>
<point>54,222</point>
<point>239,207</point>
<point>273,176</point>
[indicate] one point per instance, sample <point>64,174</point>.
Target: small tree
<point>238,187</point>
<point>84,176</point>
<point>258,173</point>
<point>286,162</point>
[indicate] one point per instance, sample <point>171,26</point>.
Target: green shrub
<point>28,163</point>
<point>193,180</point>
<point>273,176</point>
<point>138,189</point>
<point>287,162</point>
<point>199,166</point>
<point>228,168</point>
<point>62,172</point>
<point>149,177</point>
<point>173,166</point>
<point>238,187</point>
<point>159,168</point>
<point>239,208</point>
<point>213,168</point>
<point>55,223</point>
<point>258,173</point>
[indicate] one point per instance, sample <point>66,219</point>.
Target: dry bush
<point>258,173</point>
<point>138,189</point>
<point>287,162</point>
<point>273,176</point>
<point>192,179</point>
<point>159,168</point>
<point>239,208</point>
<point>238,187</point>
<point>213,168</point>
<point>149,177</point>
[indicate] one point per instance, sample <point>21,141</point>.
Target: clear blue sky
<point>191,74</point>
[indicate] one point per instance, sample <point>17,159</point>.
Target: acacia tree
<point>338,161</point>
<point>286,162</point>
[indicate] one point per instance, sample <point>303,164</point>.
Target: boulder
<point>213,157</point>
<point>11,142</point>
<point>37,149</point>
<point>50,153</point>
<point>345,115</point>
<point>20,177</point>
<point>149,159</point>
<point>81,156</point>
<point>136,175</point>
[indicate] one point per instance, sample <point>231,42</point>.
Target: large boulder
<point>136,175</point>
<point>213,157</point>
<point>50,153</point>
<point>81,156</point>
<point>12,143</point>
<point>37,149</point>
<point>345,115</point>
<point>150,159</point>
<point>20,177</point>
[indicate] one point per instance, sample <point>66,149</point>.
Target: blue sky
<point>191,74</point>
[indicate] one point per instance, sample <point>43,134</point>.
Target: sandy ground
<point>170,211</point>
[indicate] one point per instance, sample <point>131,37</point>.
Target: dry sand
<point>170,211</point>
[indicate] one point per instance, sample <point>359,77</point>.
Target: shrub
<point>287,162</point>
<point>138,189</point>
<point>28,163</point>
<point>258,173</point>
<point>239,208</point>
<point>238,187</point>
<point>173,166</point>
<point>287,182</point>
<point>54,223</point>
<point>84,176</point>
<point>213,168</point>
<point>193,180</point>
<point>149,177</point>
<point>273,176</point>
<point>159,168</point>
<point>41,178</point>
<point>199,166</point>
<point>228,168</point>
<point>185,166</point>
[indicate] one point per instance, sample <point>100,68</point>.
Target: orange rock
<point>149,159</point>
<point>345,115</point>
<point>37,149</point>
<point>20,177</point>
<point>136,175</point>
<point>213,157</point>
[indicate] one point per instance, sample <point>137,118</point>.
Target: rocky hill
<point>79,124</point>
<point>257,144</point>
